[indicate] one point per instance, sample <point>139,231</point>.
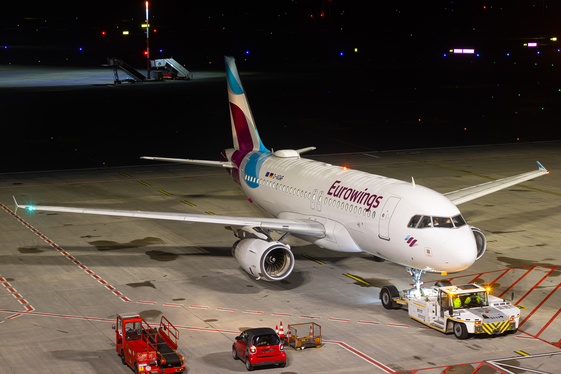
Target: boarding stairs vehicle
<point>175,68</point>
<point>118,64</point>
<point>148,350</point>
<point>464,309</point>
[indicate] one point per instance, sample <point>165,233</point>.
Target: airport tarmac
<point>65,277</point>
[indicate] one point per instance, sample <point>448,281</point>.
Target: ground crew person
<point>468,300</point>
<point>457,302</point>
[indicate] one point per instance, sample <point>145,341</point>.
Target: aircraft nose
<point>462,250</point>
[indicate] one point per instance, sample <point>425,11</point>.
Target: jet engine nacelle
<point>480,241</point>
<point>261,256</point>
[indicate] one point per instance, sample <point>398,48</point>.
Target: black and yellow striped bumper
<point>494,328</point>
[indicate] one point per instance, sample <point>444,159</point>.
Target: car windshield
<point>265,340</point>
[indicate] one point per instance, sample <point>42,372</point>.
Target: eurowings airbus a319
<point>334,208</point>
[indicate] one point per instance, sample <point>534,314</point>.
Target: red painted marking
<point>370,323</point>
<point>362,355</point>
<point>2,279</point>
<point>48,241</point>
<point>23,301</point>
<point>539,305</point>
<point>524,337</point>
<point>83,267</point>
<point>175,305</point>
<point>397,325</point>
<point>54,244</point>
<point>519,279</point>
<point>117,293</point>
<point>339,319</point>
<point>125,299</point>
<point>533,288</point>
<point>558,343</point>
<point>102,281</point>
<point>89,272</point>
<point>281,314</point>
<point>11,289</point>
<point>199,307</point>
<point>70,257</point>
<point>476,278</point>
<point>29,308</point>
<point>252,311</point>
<point>77,262</point>
<point>499,277</point>
<point>225,310</point>
<point>14,316</point>
<point>16,295</point>
<point>110,287</point>
<point>59,249</point>
<point>96,276</point>
<point>312,317</point>
<point>65,253</point>
<point>147,302</point>
<point>548,322</point>
<point>6,284</point>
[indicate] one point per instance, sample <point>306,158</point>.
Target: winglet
<point>541,167</point>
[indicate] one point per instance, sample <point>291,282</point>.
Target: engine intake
<point>480,241</point>
<point>269,260</point>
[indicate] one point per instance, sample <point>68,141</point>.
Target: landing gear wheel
<point>123,357</point>
<point>386,296</point>
<point>460,330</point>
<point>248,364</point>
<point>235,354</point>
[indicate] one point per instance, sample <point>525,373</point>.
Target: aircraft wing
<point>470,193</point>
<point>303,227</point>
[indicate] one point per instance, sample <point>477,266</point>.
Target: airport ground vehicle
<point>148,350</point>
<point>259,347</point>
<point>464,309</point>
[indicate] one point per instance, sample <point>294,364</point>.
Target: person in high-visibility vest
<point>468,300</point>
<point>457,302</point>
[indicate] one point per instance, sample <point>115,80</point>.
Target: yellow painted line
<point>188,203</point>
<point>164,192</point>
<point>126,175</point>
<point>314,259</point>
<point>357,279</point>
<point>209,212</point>
<point>520,307</point>
<point>144,183</point>
<point>522,353</point>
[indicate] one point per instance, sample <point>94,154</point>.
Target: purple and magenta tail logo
<point>411,240</point>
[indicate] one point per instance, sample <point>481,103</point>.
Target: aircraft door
<point>386,216</point>
<point>319,202</point>
<point>313,198</point>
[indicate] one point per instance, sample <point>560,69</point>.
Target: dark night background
<point>310,87</point>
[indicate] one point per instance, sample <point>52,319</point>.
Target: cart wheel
<point>248,364</point>
<point>460,330</point>
<point>234,353</point>
<point>386,296</point>
<point>123,357</point>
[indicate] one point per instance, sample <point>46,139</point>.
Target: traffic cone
<point>311,332</point>
<point>277,329</point>
<point>289,334</point>
<point>281,331</point>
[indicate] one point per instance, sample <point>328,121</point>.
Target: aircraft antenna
<point>413,181</point>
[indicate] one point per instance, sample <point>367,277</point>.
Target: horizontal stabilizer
<point>470,193</point>
<point>302,227</point>
<point>220,164</point>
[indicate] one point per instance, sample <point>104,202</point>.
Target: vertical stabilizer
<point>244,132</point>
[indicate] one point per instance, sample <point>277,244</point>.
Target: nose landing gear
<point>416,274</point>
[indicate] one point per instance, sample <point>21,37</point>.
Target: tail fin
<point>244,132</point>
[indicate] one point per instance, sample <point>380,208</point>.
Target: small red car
<point>259,347</point>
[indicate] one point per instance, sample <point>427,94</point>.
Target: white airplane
<point>330,206</point>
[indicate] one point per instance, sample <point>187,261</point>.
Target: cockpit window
<point>420,222</point>
<point>458,221</point>
<point>425,222</point>
<point>414,221</point>
<point>445,222</point>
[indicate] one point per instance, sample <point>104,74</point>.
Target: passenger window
<point>347,206</point>
<point>425,222</point>
<point>367,213</point>
<point>414,220</point>
<point>360,211</point>
<point>338,204</point>
<point>356,207</point>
